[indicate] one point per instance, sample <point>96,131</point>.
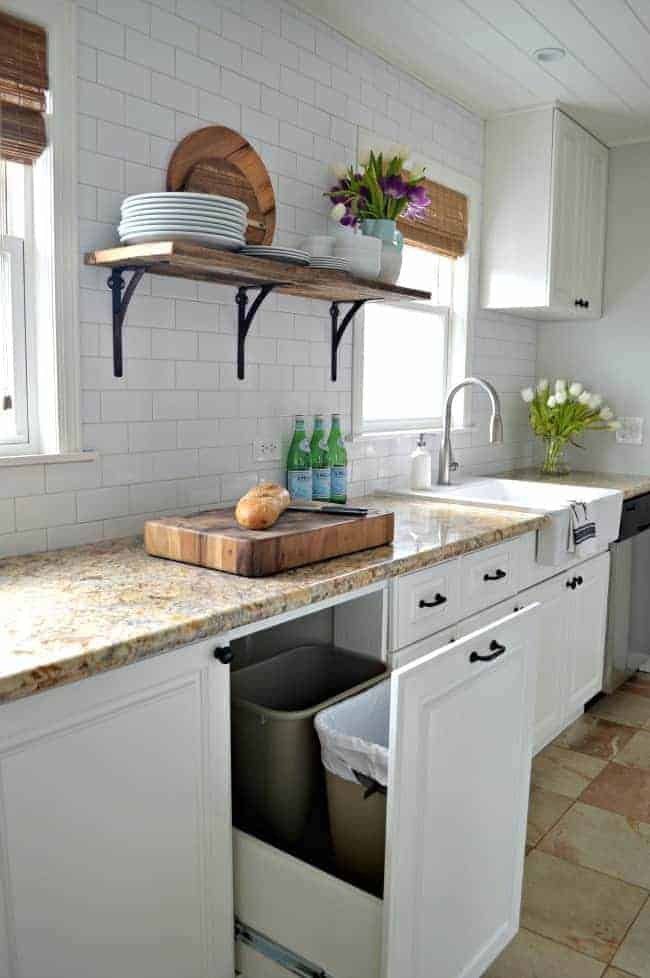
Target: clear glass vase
<point>554,459</point>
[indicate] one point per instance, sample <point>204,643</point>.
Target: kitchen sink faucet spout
<point>446,461</point>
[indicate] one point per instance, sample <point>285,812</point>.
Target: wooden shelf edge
<point>184,260</point>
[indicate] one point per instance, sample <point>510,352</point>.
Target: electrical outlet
<point>266,450</point>
<point>630,432</point>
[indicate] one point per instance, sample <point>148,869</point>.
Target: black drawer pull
<point>497,576</point>
<point>495,647</point>
<point>439,599</point>
<point>579,581</point>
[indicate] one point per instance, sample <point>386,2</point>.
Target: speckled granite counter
<point>69,614</point>
<point>630,485</point>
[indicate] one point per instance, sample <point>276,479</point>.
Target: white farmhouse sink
<point>603,507</point>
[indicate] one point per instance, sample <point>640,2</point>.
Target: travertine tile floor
<point>586,902</point>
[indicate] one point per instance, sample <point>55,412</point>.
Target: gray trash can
<point>354,749</point>
<point>276,769</point>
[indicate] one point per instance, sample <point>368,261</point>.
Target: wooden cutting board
<point>215,540</point>
<point>218,160</point>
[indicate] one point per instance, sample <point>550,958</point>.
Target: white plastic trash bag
<point>354,735</point>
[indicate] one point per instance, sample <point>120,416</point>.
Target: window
<point>15,427</point>
<point>404,351</point>
<point>39,351</point>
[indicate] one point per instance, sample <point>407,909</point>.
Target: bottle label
<point>299,484</point>
<point>304,446</point>
<point>339,483</point>
<point>322,484</point>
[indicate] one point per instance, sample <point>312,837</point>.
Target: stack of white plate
<point>218,222</point>
<point>325,261</point>
<point>292,256</point>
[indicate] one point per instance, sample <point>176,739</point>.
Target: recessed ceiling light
<point>549,54</point>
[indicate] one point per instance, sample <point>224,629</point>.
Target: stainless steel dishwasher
<point>628,623</point>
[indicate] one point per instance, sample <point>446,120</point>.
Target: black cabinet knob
<point>579,581</point>
<point>224,655</point>
<point>572,584</point>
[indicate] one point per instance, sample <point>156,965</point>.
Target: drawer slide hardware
<point>268,948</point>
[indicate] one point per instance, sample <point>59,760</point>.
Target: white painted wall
<point>176,432</point>
<point>613,354</point>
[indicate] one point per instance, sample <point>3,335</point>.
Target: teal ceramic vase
<point>392,242</point>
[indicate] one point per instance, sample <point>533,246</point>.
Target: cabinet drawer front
<point>488,576</point>
<point>425,603</point>
<point>410,653</point>
<point>329,923</point>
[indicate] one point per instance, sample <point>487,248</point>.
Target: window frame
<point>465,287</point>
<point>15,248</point>
<point>52,259</point>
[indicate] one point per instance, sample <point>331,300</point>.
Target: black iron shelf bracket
<point>120,304</point>
<point>245,317</point>
<point>338,331</point>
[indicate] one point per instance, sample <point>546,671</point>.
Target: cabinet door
<point>551,681</point>
<point>460,750</point>
<point>567,195</point>
<point>116,825</point>
<point>587,626</point>
<point>591,246</point>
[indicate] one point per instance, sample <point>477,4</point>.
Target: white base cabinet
<point>460,751</point>
<point>115,825</point>
<point>572,622</point>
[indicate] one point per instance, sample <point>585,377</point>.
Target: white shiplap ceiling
<point>481,53</point>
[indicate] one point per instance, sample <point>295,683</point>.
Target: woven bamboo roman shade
<point>443,228</point>
<point>23,87</point>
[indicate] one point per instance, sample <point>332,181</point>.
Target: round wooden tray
<point>217,160</point>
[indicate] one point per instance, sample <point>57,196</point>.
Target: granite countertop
<point>630,485</point>
<point>70,614</point>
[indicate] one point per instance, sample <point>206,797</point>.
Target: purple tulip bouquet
<point>378,189</point>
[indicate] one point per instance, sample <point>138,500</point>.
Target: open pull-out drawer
<point>460,751</point>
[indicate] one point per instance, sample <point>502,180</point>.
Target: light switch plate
<point>630,432</point>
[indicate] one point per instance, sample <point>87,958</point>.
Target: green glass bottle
<point>320,462</point>
<point>299,475</point>
<point>338,462</point>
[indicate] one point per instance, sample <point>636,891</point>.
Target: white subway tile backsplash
<point>298,31</point>
<point>99,32</point>
<point>152,436</point>
<point>240,30</point>
<point>196,71</point>
<point>30,542</point>
<point>133,13</point>
<point>219,50</point>
<point>127,405</point>
<point>125,76</point>
<point>203,13</point>
<point>173,30</point>
<point>177,432</point>
<point>154,119</point>
<point>99,504</point>
<point>179,464</point>
<point>39,512</point>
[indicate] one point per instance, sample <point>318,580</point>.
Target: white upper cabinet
<point>544,217</point>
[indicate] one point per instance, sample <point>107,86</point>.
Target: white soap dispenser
<point>420,472</point>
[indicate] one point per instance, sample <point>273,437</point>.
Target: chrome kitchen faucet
<point>446,461</point>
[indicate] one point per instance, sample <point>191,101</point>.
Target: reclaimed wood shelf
<point>186,260</point>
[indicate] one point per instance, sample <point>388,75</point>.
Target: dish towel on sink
<point>581,528</point>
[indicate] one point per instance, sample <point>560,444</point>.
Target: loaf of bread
<point>262,506</point>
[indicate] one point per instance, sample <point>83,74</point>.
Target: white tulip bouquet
<point>559,414</point>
